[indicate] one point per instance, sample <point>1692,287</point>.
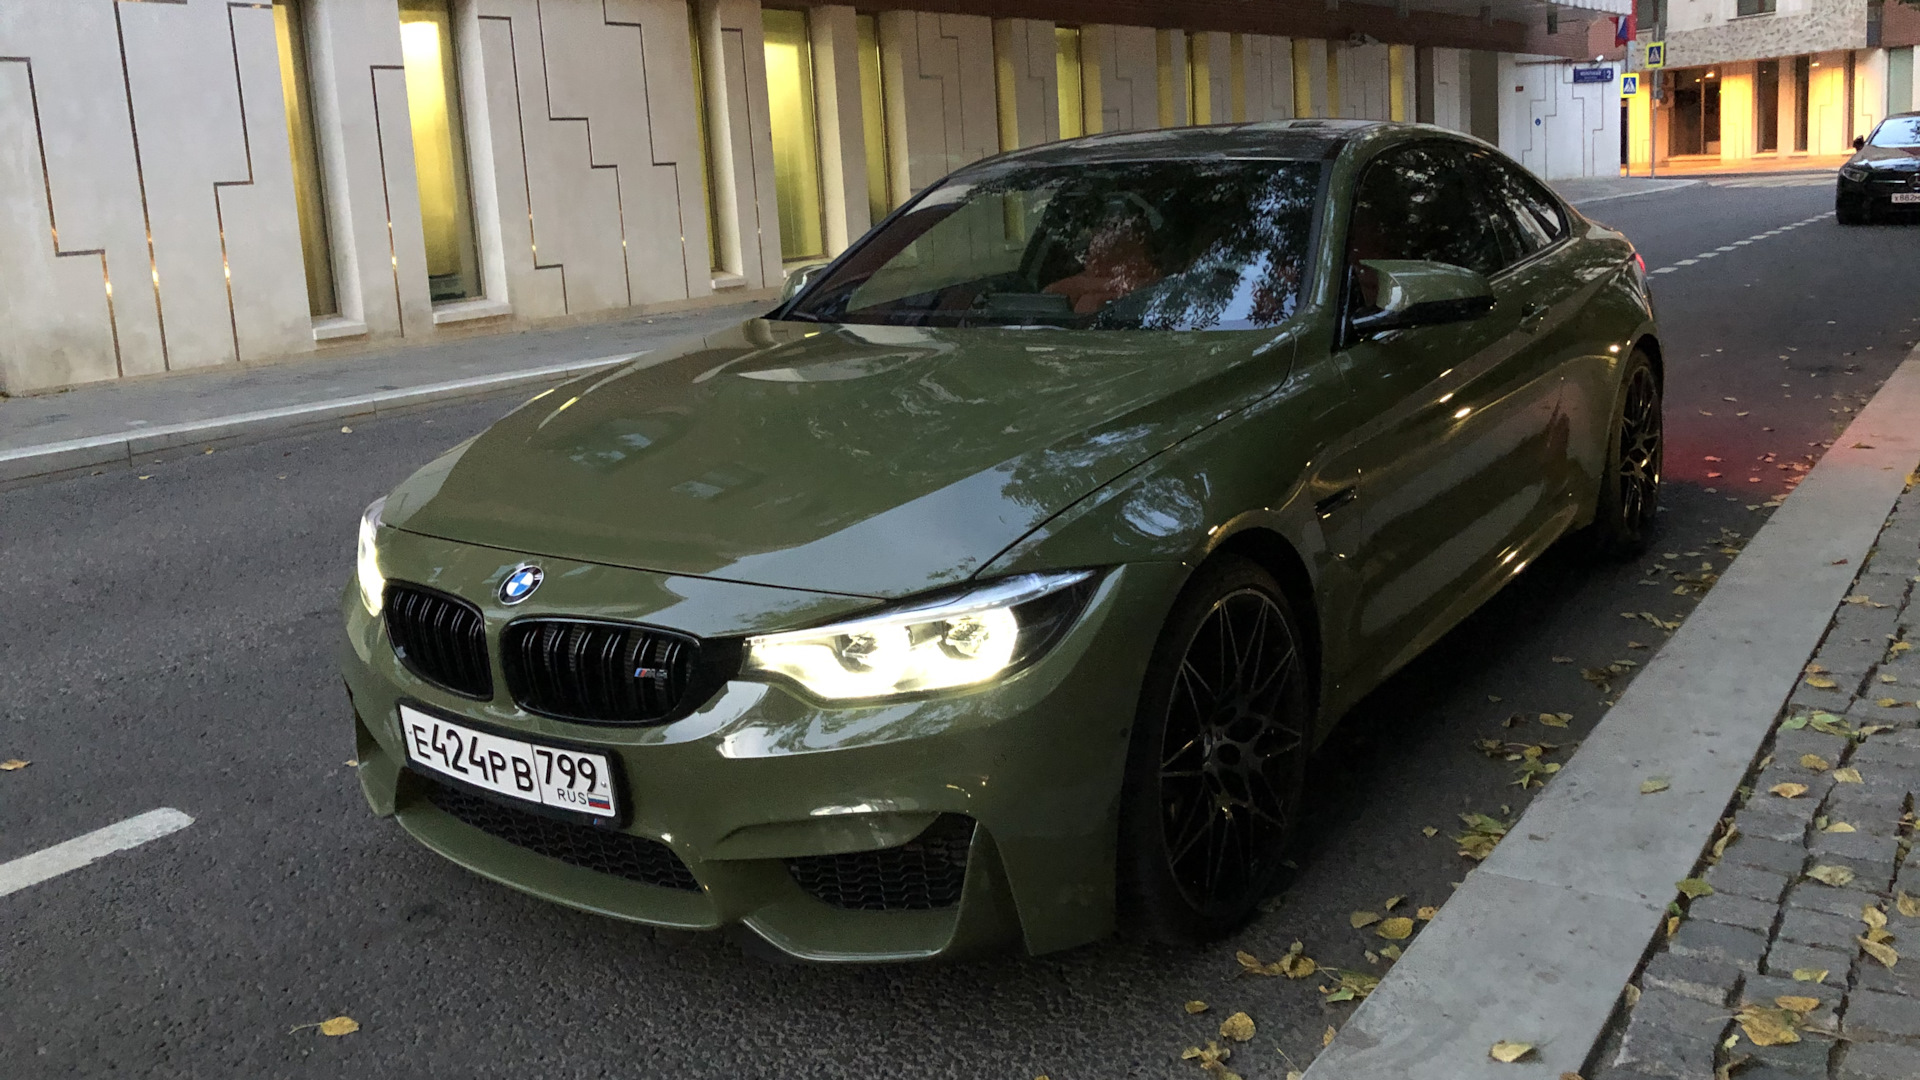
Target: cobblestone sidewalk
<point>1817,857</point>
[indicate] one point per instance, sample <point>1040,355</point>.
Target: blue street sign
<point>1593,74</point>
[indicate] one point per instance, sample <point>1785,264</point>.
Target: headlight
<point>1856,173</point>
<point>372,584</point>
<point>941,644</point>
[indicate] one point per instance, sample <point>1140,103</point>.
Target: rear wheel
<point>1217,760</point>
<point>1630,487</point>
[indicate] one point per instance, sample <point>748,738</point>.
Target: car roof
<point>1281,140</point>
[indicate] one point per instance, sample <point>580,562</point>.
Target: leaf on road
<point>1838,826</point>
<point>1294,965</point>
<point>1553,719</point>
<point>1509,1052</point>
<point>1809,974</point>
<point>13,765</point>
<point>1482,834</point>
<point>1907,905</point>
<point>1726,837</point>
<point>1847,775</point>
<point>1876,921</point>
<point>1426,914</point>
<point>1238,1027</point>
<point>1821,682</point>
<point>1352,985</point>
<point>339,1025</point>
<point>1654,784</point>
<point>1880,951</point>
<point>1795,1003</point>
<point>1429,831</point>
<point>1326,1037</point>
<point>1195,1007</point>
<point>1788,790</point>
<point>1394,901</point>
<point>1836,876</point>
<point>1396,929</point>
<point>1768,1027</point>
<point>1793,723</point>
<point>1362,918</point>
<point>1815,762</point>
<point>1889,703</point>
<point>1693,888</point>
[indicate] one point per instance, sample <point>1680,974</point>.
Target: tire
<point>1630,487</point>
<point>1851,213</point>
<point>1217,760</point>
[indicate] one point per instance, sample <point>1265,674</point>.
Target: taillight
<point>1640,261</point>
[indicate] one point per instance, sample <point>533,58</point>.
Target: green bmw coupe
<point>996,587</point>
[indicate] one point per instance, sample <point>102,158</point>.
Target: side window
<point>1535,215</point>
<point>1421,202</point>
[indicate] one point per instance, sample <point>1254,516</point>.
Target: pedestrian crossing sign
<point>1656,54</point>
<point>1630,84</point>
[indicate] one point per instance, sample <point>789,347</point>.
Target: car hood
<point>876,461</point>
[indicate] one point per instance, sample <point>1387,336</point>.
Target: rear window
<point>1156,245</point>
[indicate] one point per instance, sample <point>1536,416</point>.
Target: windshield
<point>1902,131</point>
<point>1150,245</point>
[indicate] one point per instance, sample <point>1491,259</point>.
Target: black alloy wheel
<point>1630,488</point>
<point>1219,757</point>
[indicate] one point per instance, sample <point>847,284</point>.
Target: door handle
<point>1532,316</point>
<point>1325,507</point>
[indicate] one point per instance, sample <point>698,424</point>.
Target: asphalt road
<point>167,637</point>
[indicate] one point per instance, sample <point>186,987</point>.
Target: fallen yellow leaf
<point>1768,1027</point>
<point>1509,1052</point>
<point>1238,1027</point>
<point>1196,1007</point>
<point>1835,876</point>
<point>1907,905</point>
<point>1394,902</point>
<point>1426,913</point>
<point>1809,974</point>
<point>13,764</point>
<point>1847,775</point>
<point>1396,929</point>
<point>1815,762</point>
<point>1654,784</point>
<point>1880,951</point>
<point>1693,888</point>
<point>1839,826</point>
<point>1429,831</point>
<point>1362,918</point>
<point>1326,1037</point>
<point>1797,1004</point>
<point>1819,682</point>
<point>339,1025</point>
<point>1888,703</point>
<point>1789,790</point>
<point>1555,719</point>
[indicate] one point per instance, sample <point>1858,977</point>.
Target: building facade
<point>191,183</point>
<point>1767,81</point>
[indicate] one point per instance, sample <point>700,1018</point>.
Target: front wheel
<point>1851,213</point>
<point>1630,486</point>
<point>1217,759</point>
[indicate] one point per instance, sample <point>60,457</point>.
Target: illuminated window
<point>873,119</point>
<point>309,194</point>
<point>796,141</point>
<point>1066,59</point>
<point>439,149</point>
<point>1199,79</point>
<point>706,147</point>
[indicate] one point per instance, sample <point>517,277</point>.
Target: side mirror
<point>797,278</point>
<point>1859,141</point>
<point>1413,292</point>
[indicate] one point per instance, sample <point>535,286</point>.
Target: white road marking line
<point>1664,270</point>
<point>1741,243</point>
<point>1686,262</point>
<point>1708,255</point>
<point>1724,247</point>
<point>81,850</point>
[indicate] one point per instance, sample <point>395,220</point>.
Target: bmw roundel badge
<point>520,584</point>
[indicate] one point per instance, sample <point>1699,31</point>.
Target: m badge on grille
<point>520,584</point>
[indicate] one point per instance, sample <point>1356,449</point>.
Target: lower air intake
<point>920,875</point>
<point>635,858</point>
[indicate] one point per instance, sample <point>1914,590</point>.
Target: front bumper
<point>757,776</point>
<point>1876,192</point>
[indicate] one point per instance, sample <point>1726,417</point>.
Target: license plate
<point>529,771</point>
<point>1907,197</point>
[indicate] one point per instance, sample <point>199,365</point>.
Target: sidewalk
<point>1787,963</point>
<point>1593,189</point>
<point>1586,944</point>
<point>106,423</point>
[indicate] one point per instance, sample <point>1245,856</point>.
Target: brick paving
<point>1793,887</point>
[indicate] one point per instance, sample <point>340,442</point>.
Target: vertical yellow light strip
<point>1302,79</point>
<point>706,144</point>
<point>1092,92</point>
<point>1237,76</point>
<point>1006,88</point>
<point>796,140</point>
<point>1397,82</point>
<point>439,149</point>
<point>1199,79</point>
<point>873,119</point>
<point>309,194</point>
<point>1066,65</point>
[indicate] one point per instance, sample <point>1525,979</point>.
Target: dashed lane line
<point>28,870</point>
<point>1716,252</point>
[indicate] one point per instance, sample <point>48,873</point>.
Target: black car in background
<point>1883,177</point>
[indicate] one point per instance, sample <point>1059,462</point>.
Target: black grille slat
<point>575,669</point>
<point>441,638</point>
<point>602,850</point>
<point>922,874</point>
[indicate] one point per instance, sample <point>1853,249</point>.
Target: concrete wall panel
<point>945,85</point>
<point>1129,76</point>
<point>1269,75</point>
